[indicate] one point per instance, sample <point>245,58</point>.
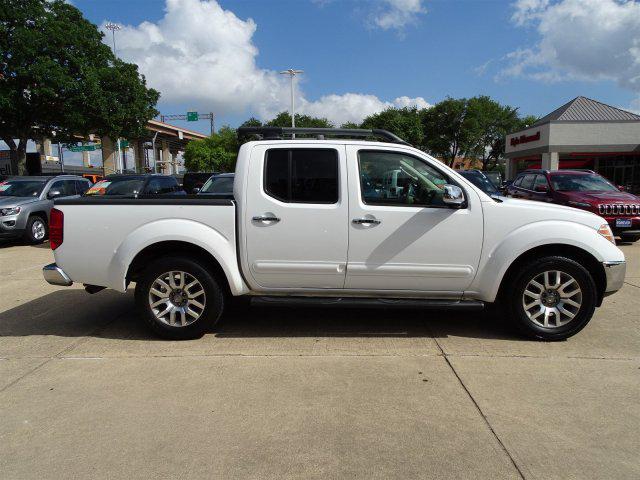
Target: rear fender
<point>221,248</point>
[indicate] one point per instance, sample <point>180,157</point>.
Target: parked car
<point>586,190</point>
<point>302,230</point>
<point>135,185</point>
<point>25,203</point>
<point>218,186</point>
<point>195,180</point>
<point>480,180</point>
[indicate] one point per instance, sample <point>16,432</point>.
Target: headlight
<point>579,204</point>
<point>10,211</point>
<point>606,232</point>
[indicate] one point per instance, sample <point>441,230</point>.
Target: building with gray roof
<point>582,133</point>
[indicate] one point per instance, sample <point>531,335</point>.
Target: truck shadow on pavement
<point>6,243</point>
<point>111,315</point>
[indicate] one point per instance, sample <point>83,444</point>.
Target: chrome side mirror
<point>453,195</point>
<point>54,194</point>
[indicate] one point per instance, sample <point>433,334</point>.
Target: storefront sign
<point>525,139</point>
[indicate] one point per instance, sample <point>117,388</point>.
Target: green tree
<point>283,119</point>
<point>252,122</point>
<point>58,78</point>
<point>404,122</point>
<point>489,122</point>
<point>447,129</point>
<point>217,153</point>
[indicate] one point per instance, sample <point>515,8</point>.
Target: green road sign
<point>192,116</point>
<point>124,143</point>
<point>84,148</point>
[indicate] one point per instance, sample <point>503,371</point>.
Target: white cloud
<point>202,56</point>
<point>397,14</point>
<point>528,10</point>
<point>579,40</point>
<point>353,107</point>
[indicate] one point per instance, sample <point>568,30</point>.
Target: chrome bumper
<point>55,275</point>
<point>614,272</point>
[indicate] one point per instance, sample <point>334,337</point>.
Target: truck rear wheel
<point>178,298</point>
<point>552,298</point>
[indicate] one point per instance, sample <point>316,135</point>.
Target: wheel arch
<point>177,248</point>
<point>217,247</point>
<point>583,257</point>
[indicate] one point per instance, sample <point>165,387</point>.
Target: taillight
<point>56,227</point>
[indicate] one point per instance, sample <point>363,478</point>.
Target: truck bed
<point>102,235</point>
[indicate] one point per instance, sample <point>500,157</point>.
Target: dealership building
<point>581,134</point>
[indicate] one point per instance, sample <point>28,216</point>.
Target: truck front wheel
<point>178,298</point>
<point>551,298</point>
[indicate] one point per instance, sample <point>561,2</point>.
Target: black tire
<point>513,298</point>
<point>214,300</point>
<point>30,235</point>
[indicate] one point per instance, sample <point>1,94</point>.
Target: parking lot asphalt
<point>87,392</point>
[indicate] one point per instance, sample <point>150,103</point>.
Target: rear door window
<point>541,181</point>
<point>527,181</point>
<point>302,175</point>
<point>65,187</point>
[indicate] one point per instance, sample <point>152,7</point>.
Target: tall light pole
<point>292,73</point>
<point>114,27</point>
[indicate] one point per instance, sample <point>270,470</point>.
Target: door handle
<point>265,218</point>
<point>365,221</point>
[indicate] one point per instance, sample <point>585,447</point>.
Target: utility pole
<point>113,27</point>
<point>292,73</point>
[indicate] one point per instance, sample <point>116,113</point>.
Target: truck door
<point>296,217</point>
<point>412,242</point>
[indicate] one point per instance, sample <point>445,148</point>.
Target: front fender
<point>495,262</point>
<point>223,249</point>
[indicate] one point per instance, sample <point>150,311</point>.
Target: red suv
<point>586,190</point>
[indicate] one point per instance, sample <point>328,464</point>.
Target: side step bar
<point>354,302</point>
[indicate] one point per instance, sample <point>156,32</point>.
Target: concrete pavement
<point>86,391</point>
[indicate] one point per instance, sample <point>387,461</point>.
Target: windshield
<point>21,188</point>
<point>482,182</point>
<point>218,185</point>
<point>495,178</point>
<point>118,186</point>
<point>589,182</point>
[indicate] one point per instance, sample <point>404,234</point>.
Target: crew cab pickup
<point>317,221</point>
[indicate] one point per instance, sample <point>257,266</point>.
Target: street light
<point>292,73</point>
<point>114,27</point>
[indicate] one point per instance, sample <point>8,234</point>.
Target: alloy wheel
<point>38,230</point>
<point>177,298</point>
<point>552,299</point>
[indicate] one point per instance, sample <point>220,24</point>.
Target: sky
<point>361,56</point>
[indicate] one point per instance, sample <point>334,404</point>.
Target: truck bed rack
<point>278,133</point>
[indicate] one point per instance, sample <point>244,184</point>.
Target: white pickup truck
<point>317,221</point>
